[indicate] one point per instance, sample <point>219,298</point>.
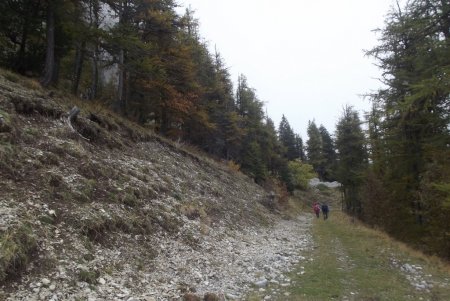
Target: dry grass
<point>16,248</point>
<point>29,83</point>
<point>403,248</point>
<point>431,264</point>
<point>193,211</point>
<point>233,166</point>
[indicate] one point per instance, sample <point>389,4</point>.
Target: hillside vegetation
<point>100,197</point>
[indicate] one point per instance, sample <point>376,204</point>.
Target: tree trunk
<point>121,83</point>
<point>50,66</point>
<point>95,23</point>
<point>78,67</point>
<point>121,99</point>
<point>21,64</point>
<point>94,85</point>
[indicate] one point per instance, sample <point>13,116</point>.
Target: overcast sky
<point>305,58</point>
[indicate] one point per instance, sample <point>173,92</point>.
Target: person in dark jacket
<point>325,211</point>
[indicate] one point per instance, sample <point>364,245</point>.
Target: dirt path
<point>350,262</point>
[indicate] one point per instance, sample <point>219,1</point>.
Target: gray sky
<point>304,57</point>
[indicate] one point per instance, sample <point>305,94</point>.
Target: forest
<point>149,63</point>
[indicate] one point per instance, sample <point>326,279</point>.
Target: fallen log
<point>73,113</point>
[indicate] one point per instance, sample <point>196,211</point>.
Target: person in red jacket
<point>316,209</point>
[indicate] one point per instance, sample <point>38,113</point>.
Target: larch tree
<point>288,139</point>
<point>352,158</point>
<point>250,109</point>
<point>300,149</point>
<point>329,154</point>
<point>315,149</point>
<point>410,133</point>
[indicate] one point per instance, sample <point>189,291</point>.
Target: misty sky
<point>305,58</point>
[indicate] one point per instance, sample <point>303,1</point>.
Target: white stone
<point>261,283</point>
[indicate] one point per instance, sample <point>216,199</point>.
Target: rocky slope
<point>99,209</point>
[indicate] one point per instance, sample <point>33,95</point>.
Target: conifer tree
<point>250,109</point>
<point>22,35</point>
<point>314,147</point>
<point>409,124</point>
<point>352,158</point>
<point>288,139</point>
<point>87,36</point>
<point>329,154</point>
<point>299,147</point>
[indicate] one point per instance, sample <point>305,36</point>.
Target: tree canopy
<point>407,190</point>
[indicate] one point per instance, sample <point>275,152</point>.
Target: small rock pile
<point>414,275</point>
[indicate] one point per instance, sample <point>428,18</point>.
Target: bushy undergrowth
<point>16,248</point>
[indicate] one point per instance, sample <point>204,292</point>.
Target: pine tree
<point>409,124</point>
<point>22,39</point>
<point>329,154</point>
<point>87,36</point>
<point>352,158</point>
<point>271,148</point>
<point>250,109</point>
<point>299,148</point>
<point>288,139</point>
<point>60,17</point>
<point>314,147</point>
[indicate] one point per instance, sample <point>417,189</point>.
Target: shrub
<point>16,248</point>
<point>301,173</point>
<point>88,276</point>
<point>233,166</point>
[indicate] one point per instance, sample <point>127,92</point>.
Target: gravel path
<point>228,263</point>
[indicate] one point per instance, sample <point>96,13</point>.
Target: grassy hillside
<point>98,195</point>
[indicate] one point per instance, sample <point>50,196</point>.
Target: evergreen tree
<point>299,148</point>
<point>87,36</point>
<point>223,110</point>
<point>22,38</point>
<point>314,147</point>
<point>288,139</point>
<point>352,158</point>
<point>271,148</point>
<point>250,109</point>
<point>409,124</point>
<point>329,154</point>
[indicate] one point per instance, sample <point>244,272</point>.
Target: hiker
<point>325,211</point>
<point>316,209</point>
